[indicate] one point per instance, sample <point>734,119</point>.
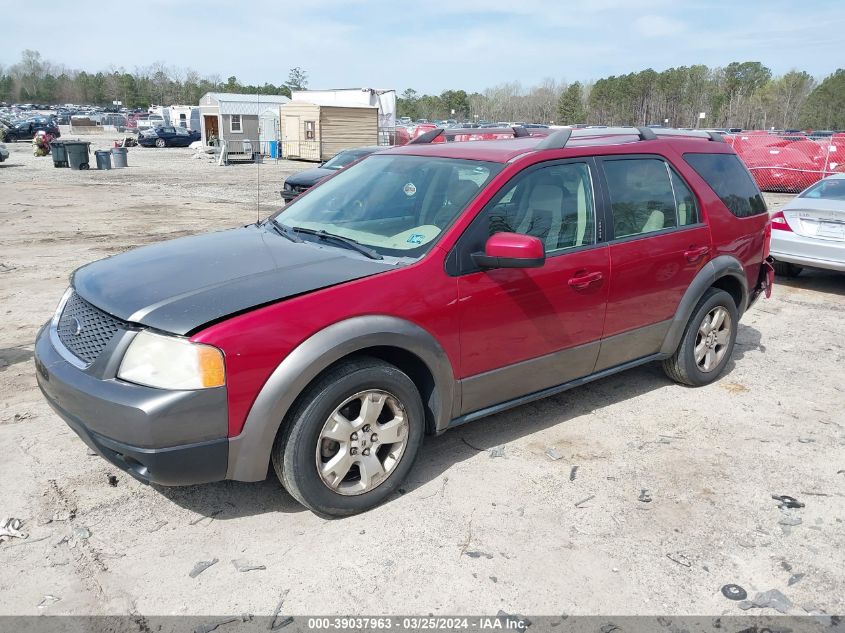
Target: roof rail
<point>450,133</point>
<point>428,137</point>
<point>560,138</point>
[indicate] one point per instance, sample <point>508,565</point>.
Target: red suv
<point>418,289</point>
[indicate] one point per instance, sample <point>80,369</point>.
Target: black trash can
<point>77,154</point>
<point>59,154</point>
<point>103,159</point>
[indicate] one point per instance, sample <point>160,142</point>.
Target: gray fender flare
<point>715,269</point>
<point>249,452</point>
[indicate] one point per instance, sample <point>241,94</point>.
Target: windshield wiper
<point>282,230</point>
<point>347,241</point>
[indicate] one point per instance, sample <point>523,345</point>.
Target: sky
<point>432,45</point>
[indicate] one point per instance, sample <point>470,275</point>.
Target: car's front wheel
<point>708,341</point>
<point>160,142</point>
<point>351,439</point>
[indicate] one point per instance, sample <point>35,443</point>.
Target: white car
<point>810,230</point>
<point>4,153</point>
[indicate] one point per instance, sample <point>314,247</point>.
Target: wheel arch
<point>394,340</point>
<point>724,272</point>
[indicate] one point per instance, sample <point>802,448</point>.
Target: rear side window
<point>641,196</point>
<point>730,180</point>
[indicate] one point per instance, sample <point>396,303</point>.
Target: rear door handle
<point>584,281</point>
<point>696,253</point>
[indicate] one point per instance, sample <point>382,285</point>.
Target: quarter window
<point>235,124</point>
<point>731,182</point>
<point>553,203</point>
<point>641,196</point>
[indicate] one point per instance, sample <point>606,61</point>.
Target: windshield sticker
<point>410,189</point>
<point>416,238</point>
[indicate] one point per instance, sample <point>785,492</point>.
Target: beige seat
<point>542,214</point>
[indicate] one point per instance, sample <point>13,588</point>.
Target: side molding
<point>715,269</point>
<point>249,452</point>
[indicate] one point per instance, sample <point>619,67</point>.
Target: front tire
<point>160,142</point>
<point>787,269</point>
<point>707,342</point>
<point>351,439</point>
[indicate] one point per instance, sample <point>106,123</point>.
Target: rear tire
<point>787,269</point>
<point>707,342</point>
<point>329,456</point>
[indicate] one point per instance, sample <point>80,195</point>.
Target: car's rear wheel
<point>351,439</point>
<point>160,142</point>
<point>786,269</point>
<point>707,342</point>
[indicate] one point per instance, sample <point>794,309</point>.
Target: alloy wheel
<point>713,339</point>
<point>362,442</point>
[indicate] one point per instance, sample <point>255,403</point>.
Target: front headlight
<point>168,362</point>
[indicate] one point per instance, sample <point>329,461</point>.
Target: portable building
<point>235,118</point>
<point>311,131</point>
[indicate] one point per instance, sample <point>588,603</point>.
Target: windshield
<point>397,205</point>
<point>342,159</point>
<point>831,189</point>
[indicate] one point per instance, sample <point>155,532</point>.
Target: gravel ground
<point>477,529</point>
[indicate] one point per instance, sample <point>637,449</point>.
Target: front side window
<point>553,203</point>
<point>641,196</point>
<point>729,179</point>
<point>398,205</point>
<point>236,124</point>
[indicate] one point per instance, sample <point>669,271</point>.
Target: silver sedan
<point>810,230</point>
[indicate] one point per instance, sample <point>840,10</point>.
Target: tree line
<point>36,80</point>
<point>741,94</point>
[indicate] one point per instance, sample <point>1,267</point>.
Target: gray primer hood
<point>180,285</point>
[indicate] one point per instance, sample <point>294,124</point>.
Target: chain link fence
<point>789,162</point>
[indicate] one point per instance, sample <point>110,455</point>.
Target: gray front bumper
<point>158,436</point>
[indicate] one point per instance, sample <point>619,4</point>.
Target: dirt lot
<point>474,532</point>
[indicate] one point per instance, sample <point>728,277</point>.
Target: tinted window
<point>830,189</point>
<point>641,196</point>
<point>554,204</point>
<point>731,182</point>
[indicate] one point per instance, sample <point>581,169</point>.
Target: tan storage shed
<point>318,132</point>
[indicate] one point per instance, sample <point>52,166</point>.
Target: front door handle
<point>696,253</point>
<point>583,281</point>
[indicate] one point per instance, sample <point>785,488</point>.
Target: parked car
<point>810,229</point>
<point>302,181</point>
<point>4,153</point>
<point>414,291</point>
<point>25,129</point>
<point>167,136</point>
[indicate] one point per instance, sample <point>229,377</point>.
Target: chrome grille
<point>84,329</point>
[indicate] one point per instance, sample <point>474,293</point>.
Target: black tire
<point>786,269</point>
<point>295,448</point>
<point>85,166</point>
<point>682,366</point>
<point>160,142</point>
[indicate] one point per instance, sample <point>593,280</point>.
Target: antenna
<point>258,163</point>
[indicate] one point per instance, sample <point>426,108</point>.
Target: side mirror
<point>511,250</point>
